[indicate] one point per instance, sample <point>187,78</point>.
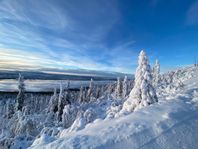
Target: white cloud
<point>74,31</point>
<point>192,14</point>
<point>34,12</point>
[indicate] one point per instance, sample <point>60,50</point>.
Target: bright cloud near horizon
<point>97,34</point>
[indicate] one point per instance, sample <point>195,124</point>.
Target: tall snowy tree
<point>9,109</point>
<point>110,88</point>
<point>97,92</point>
<point>60,102</point>
<point>53,103</point>
<point>118,90</point>
<point>125,87</point>
<point>143,93</point>
<point>68,84</point>
<point>81,95</point>
<point>102,90</point>
<point>21,95</point>
<point>156,73</point>
<point>90,91</point>
<point>64,99</point>
<point>67,94</point>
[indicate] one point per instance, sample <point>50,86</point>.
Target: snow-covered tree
<point>82,119</point>
<point>60,102</point>
<point>53,103</point>
<point>84,94</point>
<point>118,91</point>
<point>64,99</point>
<point>69,115</point>
<point>89,115</point>
<point>81,95</point>
<point>102,90</point>
<point>68,84</point>
<point>23,125</point>
<point>21,95</point>
<point>9,109</point>
<point>143,93</point>
<point>156,73</point>
<point>50,120</point>
<point>125,87</point>
<point>110,88</point>
<point>26,110</point>
<point>90,91</point>
<point>97,92</point>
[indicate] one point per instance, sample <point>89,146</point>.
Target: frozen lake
<point>10,85</point>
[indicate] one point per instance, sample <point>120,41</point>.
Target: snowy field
<point>8,85</point>
<point>170,123</point>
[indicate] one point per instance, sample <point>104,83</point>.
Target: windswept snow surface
<point>170,123</point>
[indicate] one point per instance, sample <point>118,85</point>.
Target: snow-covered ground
<point>170,123</point>
<point>44,85</point>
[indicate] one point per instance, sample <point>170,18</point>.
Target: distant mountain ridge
<point>57,74</point>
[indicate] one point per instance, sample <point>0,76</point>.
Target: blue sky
<point>97,34</point>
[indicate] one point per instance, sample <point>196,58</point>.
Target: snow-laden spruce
<point>64,99</point>
<point>97,92</point>
<point>125,87</point>
<point>156,73</point>
<point>69,115</point>
<point>90,91</point>
<point>53,103</point>
<point>118,91</point>
<point>81,95</point>
<point>21,95</point>
<point>143,93</point>
<point>60,103</point>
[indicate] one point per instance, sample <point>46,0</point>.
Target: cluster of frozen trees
<point>172,81</point>
<point>122,88</point>
<point>89,97</point>
<point>122,95</point>
<point>29,116</point>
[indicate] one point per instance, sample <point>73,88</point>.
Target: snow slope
<point>170,123</point>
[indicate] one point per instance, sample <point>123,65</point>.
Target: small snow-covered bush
<point>82,119</point>
<point>49,131</point>
<point>51,119</point>
<point>89,115</point>
<point>69,115</point>
<point>114,109</point>
<point>25,125</point>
